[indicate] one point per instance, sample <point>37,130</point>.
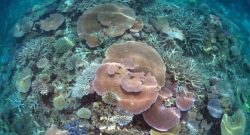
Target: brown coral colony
<point>108,19</point>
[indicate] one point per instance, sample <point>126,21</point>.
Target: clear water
<point>47,75</point>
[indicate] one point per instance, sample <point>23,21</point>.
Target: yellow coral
<point>23,80</point>
<point>233,125</point>
<point>173,131</point>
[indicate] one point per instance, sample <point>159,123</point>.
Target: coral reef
<point>23,80</point>
<point>161,118</point>
<point>192,24</point>
<point>53,22</point>
<point>54,131</point>
<point>84,113</point>
<point>34,49</point>
<point>63,45</point>
<point>125,67</point>
<point>214,108</point>
<point>82,86</point>
<point>141,55</point>
<point>60,102</point>
<point>22,28</point>
<point>42,63</point>
<point>233,125</point>
<point>130,101</point>
<point>75,128</point>
<point>116,17</point>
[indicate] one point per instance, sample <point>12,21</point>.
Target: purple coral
<point>214,108</point>
<point>74,128</point>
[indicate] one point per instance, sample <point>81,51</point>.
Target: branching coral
<point>82,84</point>
<point>42,63</point>
<point>104,117</point>
<point>183,69</point>
<point>76,128</point>
<point>15,102</point>
<point>40,86</point>
<point>74,62</point>
<point>192,24</point>
<point>122,118</point>
<point>34,49</point>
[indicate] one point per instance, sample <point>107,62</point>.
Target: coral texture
<point>34,49</point>
<point>53,22</point>
<point>161,118</point>
<point>23,80</point>
<point>53,130</point>
<point>84,113</point>
<point>233,125</point>
<point>132,102</point>
<point>144,58</point>
<point>116,18</point>
<point>82,84</point>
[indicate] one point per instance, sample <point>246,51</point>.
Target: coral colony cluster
<point>125,68</point>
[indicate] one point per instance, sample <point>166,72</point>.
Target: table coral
<point>144,57</point>
<point>53,22</point>
<point>132,102</point>
<point>161,118</point>
<point>115,19</point>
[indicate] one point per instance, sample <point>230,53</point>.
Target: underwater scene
<point>125,67</point>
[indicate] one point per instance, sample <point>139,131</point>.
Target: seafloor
<point>124,67</point>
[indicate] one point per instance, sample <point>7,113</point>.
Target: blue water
<point>226,55</point>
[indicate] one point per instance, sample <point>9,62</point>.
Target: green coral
<point>84,113</point>
<point>23,80</point>
<point>60,102</point>
<point>243,99</point>
<point>233,125</point>
<point>63,45</point>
